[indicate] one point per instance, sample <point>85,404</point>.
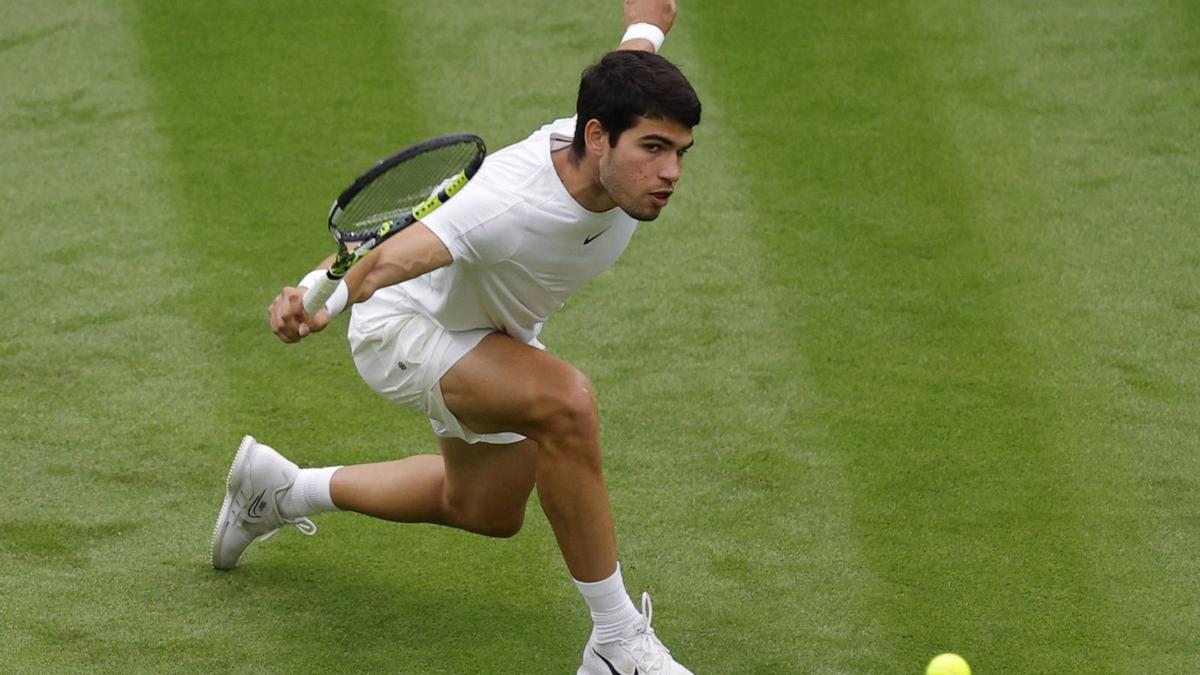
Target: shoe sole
<point>233,483</point>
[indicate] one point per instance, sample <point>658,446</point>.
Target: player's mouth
<point>661,197</point>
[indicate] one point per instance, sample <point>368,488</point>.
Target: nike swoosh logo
<point>256,506</point>
<point>589,240</point>
<point>612,669</point>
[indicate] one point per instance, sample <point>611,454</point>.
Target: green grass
<point>907,367</point>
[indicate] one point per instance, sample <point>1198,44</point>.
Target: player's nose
<point>671,169</point>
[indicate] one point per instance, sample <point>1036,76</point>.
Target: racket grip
<point>319,292</point>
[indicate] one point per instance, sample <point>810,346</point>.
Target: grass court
<point>908,366</point>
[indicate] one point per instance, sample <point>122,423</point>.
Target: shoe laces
<point>303,524</point>
<point>645,647</point>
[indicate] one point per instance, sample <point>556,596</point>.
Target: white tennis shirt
<point>521,244</point>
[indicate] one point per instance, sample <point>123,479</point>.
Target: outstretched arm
<point>408,254</point>
<point>657,13</point>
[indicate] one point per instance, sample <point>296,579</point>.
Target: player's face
<point>640,173</point>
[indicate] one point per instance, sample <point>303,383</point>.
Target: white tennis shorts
<point>403,357</point>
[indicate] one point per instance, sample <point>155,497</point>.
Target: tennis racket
<point>393,194</point>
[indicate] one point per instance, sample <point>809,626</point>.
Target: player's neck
<point>582,179</point>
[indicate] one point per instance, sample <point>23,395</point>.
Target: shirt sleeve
<point>480,224</point>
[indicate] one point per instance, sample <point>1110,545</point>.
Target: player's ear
<point>595,137</point>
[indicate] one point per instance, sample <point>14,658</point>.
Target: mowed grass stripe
<point>773,536</point>
<point>270,112</point>
<point>1100,103</point>
<point>287,105</point>
<point>99,363</point>
<point>924,381</point>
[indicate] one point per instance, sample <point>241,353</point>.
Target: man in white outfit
<point>446,316</point>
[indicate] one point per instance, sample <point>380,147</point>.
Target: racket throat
<point>341,264</point>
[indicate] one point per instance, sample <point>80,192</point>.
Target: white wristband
<point>310,279</point>
<point>645,31</point>
<point>336,302</point>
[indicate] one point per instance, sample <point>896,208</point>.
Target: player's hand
<point>661,13</point>
<point>289,321</point>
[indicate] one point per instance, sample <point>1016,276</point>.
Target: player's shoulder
<point>515,172</point>
<point>534,149</point>
<point>562,126</point>
<point>506,192</point>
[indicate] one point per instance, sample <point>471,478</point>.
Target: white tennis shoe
<point>257,478</point>
<point>642,654</point>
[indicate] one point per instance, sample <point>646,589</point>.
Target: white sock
<point>613,613</point>
<point>309,494</point>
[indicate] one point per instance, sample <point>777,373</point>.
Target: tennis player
<point>446,316</point>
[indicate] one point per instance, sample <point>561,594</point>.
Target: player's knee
<point>569,410</point>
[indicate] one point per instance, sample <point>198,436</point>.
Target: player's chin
<point>644,213</point>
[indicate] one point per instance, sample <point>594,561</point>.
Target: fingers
<point>661,13</point>
<point>318,321</point>
<point>288,320</point>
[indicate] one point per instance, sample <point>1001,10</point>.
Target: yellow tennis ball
<point>948,664</point>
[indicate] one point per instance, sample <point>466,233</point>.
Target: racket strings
<point>404,186</point>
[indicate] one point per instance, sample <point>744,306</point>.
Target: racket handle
<point>319,292</point>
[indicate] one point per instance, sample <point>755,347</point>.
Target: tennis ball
<point>948,664</point>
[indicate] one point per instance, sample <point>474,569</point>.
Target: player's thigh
<point>489,477</point>
<point>505,385</point>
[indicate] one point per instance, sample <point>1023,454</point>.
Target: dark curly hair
<point>626,84</point>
